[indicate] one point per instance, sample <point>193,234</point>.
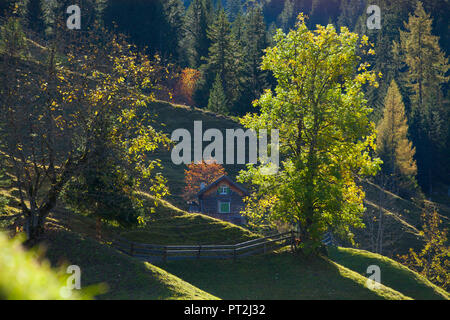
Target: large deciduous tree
<point>54,112</point>
<point>326,138</point>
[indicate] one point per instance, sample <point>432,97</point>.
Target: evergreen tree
<point>254,42</point>
<point>324,12</point>
<point>34,16</point>
<point>196,42</point>
<point>234,8</point>
<point>12,39</point>
<point>393,15</point>
<point>426,69</point>
<point>394,148</point>
<point>217,101</point>
<point>99,8</point>
<point>174,13</point>
<point>224,60</point>
<point>350,10</point>
<point>287,18</point>
<point>238,28</point>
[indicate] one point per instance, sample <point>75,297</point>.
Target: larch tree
<point>433,261</point>
<point>393,145</point>
<point>326,138</point>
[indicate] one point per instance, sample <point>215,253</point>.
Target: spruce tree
<point>254,42</point>
<point>34,16</point>
<point>234,8</point>
<point>426,69</point>
<point>238,28</point>
<point>323,12</point>
<point>173,13</point>
<point>196,42</point>
<point>224,59</point>
<point>217,100</point>
<point>350,10</point>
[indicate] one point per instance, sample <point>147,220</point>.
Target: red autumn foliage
<point>186,85</point>
<point>206,171</point>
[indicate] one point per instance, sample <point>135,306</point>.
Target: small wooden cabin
<point>222,199</point>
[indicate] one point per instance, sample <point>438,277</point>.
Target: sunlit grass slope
<point>278,276</point>
<point>393,274</point>
<point>125,277</point>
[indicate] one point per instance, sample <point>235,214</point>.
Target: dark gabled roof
<point>219,180</point>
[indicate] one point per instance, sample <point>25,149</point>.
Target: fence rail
<point>156,253</point>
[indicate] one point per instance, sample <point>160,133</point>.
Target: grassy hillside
<point>171,117</point>
<point>189,229</point>
<point>70,239</point>
<point>125,277</point>
<point>402,216</point>
<point>393,274</point>
<point>278,276</point>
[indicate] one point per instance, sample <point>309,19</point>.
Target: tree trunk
<point>98,228</point>
<point>34,228</point>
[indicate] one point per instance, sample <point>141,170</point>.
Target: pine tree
<point>426,68</point>
<point>394,148</point>
<point>217,101</point>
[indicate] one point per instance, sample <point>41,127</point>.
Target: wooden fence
<point>156,253</point>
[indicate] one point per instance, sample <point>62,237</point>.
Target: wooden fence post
<point>292,240</point>
<point>165,254</point>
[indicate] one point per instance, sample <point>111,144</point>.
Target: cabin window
<point>224,207</point>
<point>224,189</point>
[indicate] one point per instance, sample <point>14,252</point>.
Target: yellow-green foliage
<point>325,133</point>
<point>23,277</point>
<point>394,147</point>
<point>433,262</point>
